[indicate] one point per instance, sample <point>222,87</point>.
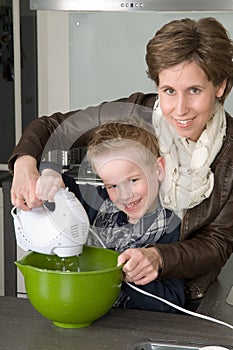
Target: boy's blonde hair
<point>121,134</point>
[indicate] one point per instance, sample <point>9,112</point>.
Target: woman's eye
<point>169,91</point>
<point>133,180</point>
<point>194,91</point>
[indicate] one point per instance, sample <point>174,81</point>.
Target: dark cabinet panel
<point>7,129</point>
<point>28,55</point>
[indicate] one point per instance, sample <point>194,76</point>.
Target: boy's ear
<point>160,168</point>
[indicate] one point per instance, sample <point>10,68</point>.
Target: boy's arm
<point>141,265</point>
<point>48,184</point>
<point>171,290</point>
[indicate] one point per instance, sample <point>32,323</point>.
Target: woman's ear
<point>160,168</point>
<point>221,88</point>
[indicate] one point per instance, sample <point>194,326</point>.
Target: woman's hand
<point>48,184</point>
<point>23,190</point>
<point>141,265</point>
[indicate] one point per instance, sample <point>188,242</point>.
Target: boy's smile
<point>131,188</point>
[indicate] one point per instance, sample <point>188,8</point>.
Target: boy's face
<point>132,188</point>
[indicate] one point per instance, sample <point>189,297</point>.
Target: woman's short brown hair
<point>205,42</point>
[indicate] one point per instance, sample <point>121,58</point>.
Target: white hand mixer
<point>62,231</point>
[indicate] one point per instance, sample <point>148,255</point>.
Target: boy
<point>126,213</point>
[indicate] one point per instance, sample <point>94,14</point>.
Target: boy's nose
<point>125,192</point>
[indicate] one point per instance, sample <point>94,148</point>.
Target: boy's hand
<point>48,184</point>
<point>141,265</point>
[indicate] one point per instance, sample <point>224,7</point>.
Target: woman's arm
<point>38,133</point>
<point>42,135</point>
<point>62,132</point>
<point>209,245</point>
<point>23,194</point>
<point>73,129</point>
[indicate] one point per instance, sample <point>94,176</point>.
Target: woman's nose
<point>181,105</point>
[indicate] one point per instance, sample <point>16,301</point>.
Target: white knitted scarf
<point>189,179</point>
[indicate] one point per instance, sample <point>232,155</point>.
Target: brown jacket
<point>207,229</point>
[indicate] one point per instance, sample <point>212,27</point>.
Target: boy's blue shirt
<point>172,290</point>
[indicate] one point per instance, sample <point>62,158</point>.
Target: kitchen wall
<point>87,58</point>
<point>53,62</point>
<point>107,53</point>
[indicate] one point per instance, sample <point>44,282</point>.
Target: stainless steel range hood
<point>137,5</point>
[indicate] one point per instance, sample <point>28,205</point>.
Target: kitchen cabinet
<point>7,133</point>
<point>10,276</point>
<point>13,281</point>
<point>3,175</point>
<point>18,72</point>
<point>1,246</point>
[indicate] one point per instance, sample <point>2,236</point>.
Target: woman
<point>191,64</point>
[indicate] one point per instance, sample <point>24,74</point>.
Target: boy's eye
<point>113,187</point>
<point>133,180</point>
<point>109,187</point>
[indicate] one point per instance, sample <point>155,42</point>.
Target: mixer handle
<point>16,218</point>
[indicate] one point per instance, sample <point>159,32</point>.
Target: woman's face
<point>187,98</point>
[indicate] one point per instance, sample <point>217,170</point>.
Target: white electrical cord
<point>195,314</point>
<point>96,236</point>
<point>208,318</point>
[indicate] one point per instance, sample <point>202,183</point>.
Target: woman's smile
<point>184,123</point>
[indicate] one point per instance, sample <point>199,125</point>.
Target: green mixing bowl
<point>72,292</point>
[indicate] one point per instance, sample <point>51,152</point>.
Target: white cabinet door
<point>21,292</point>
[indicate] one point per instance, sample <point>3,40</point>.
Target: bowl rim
<point>21,262</point>
<point>67,272</point>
